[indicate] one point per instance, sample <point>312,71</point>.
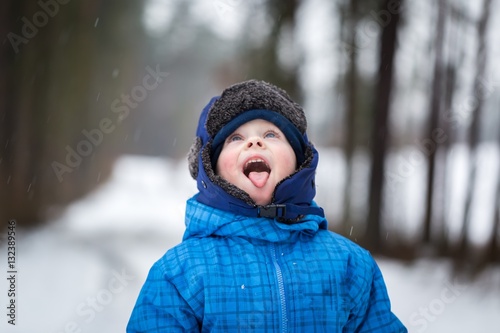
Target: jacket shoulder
<point>187,256</point>
<point>344,246</point>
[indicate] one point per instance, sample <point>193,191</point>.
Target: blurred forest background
<point>407,90</point>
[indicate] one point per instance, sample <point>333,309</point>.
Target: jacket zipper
<point>281,291</point>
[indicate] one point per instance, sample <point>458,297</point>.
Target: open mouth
<point>257,170</point>
<point>256,165</point>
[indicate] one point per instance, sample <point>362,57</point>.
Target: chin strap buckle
<point>272,211</point>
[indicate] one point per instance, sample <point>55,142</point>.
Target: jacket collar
<point>205,221</point>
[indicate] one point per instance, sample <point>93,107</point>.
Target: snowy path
<point>82,273</point>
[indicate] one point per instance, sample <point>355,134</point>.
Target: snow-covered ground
<point>83,272</point>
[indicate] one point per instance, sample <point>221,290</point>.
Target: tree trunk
<point>351,109</point>
<point>494,243</point>
<point>453,62</point>
<point>263,62</point>
<point>380,132</point>
<point>474,130</point>
<point>435,110</point>
<point>9,12</point>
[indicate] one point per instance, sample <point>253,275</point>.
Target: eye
<point>234,137</point>
<point>270,134</point>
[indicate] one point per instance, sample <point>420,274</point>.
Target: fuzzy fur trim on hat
<point>253,95</point>
<point>193,157</point>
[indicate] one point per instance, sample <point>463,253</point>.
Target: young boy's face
<point>255,157</point>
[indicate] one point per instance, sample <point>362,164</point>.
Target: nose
<point>255,142</point>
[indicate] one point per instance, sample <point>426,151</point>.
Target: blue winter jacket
<point>234,273</point>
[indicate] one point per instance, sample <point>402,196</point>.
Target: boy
<point>256,255</point>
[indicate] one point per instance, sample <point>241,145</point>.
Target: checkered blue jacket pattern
<point>233,273</point>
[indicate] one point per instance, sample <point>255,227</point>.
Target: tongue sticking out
<point>259,179</point>
<point>257,170</point>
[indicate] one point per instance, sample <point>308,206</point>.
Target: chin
<point>262,203</point>
<point>261,199</point>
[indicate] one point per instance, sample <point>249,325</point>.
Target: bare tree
<point>455,56</point>
<point>351,21</point>
<point>494,242</point>
<point>263,62</point>
<point>435,110</point>
<point>380,130</point>
<point>474,130</point>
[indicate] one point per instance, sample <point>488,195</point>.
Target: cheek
<point>225,163</point>
<point>292,166</point>
<point>288,160</point>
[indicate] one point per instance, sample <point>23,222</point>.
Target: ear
<point>193,154</point>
